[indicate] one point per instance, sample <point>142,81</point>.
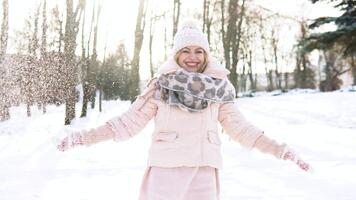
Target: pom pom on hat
<point>190,35</point>
<point>189,23</point>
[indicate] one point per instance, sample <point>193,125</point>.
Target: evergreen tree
<point>344,38</point>
<point>344,35</point>
<point>116,75</point>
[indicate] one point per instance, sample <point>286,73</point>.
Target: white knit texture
<point>190,35</point>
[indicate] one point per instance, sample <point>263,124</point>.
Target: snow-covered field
<point>320,126</point>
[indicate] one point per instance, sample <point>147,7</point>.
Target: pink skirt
<point>180,183</point>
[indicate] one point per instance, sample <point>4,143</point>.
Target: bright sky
<point>118,17</point>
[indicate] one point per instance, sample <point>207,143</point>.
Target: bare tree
<point>93,75</point>
<point>165,38</point>
<point>70,36</point>
<point>101,77</point>
<point>247,49</point>
<point>4,99</point>
<point>58,27</point>
<point>55,59</point>
<point>85,65</point>
<point>264,39</point>
<point>353,67</point>
<point>303,72</point>
<point>88,63</point>
<point>135,64</point>
<point>274,45</point>
<point>32,68</point>
<point>225,39</point>
<point>44,64</point>
<point>176,15</point>
<point>232,37</point>
<point>4,28</point>
<point>153,21</point>
<point>333,69</point>
<point>206,18</point>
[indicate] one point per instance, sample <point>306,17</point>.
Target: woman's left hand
<point>289,154</point>
<point>75,139</point>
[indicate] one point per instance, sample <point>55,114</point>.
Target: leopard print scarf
<point>191,91</point>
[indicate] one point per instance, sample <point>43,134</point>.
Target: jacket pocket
<point>165,136</point>
<point>164,141</point>
<point>213,138</point>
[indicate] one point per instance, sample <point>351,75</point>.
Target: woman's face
<point>191,58</point>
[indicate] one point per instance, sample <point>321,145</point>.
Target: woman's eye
<point>199,52</point>
<point>185,51</point>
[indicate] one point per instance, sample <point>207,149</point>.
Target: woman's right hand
<point>289,154</point>
<point>75,139</point>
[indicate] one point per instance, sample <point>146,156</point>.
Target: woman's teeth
<point>190,64</point>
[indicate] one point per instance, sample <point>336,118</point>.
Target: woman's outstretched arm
<point>249,136</point>
<point>120,128</point>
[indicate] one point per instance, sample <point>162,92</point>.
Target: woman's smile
<point>192,64</point>
<point>191,58</point>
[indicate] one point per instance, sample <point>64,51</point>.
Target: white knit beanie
<point>190,35</point>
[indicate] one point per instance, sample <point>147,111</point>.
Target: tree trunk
<point>225,37</point>
<point>152,21</point>
<point>207,19</point>
<point>286,80</point>
<point>176,14</point>
<point>243,78</point>
<point>85,68</point>
<point>165,43</point>
<point>32,91</point>
<point>93,77</point>
<point>234,33</point>
<point>70,73</point>
<point>101,78</point>
<point>274,42</point>
<point>353,68</point>
<point>4,99</point>
<point>135,64</point>
<point>231,35</point>
<point>44,60</point>
<point>250,72</point>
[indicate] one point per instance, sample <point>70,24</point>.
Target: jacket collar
<point>214,68</point>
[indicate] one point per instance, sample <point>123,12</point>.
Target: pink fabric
<point>99,134</point>
<point>180,183</point>
<point>131,122</point>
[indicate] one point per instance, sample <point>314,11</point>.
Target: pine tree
<point>344,35</point>
<point>115,73</point>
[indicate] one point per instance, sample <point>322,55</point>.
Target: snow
<point>321,127</point>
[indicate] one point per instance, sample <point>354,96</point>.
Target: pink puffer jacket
<point>181,138</point>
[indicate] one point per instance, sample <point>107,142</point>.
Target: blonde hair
<point>201,68</point>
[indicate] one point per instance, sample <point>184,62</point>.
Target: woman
<point>188,98</point>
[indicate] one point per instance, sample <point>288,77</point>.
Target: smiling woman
<point>188,99</point>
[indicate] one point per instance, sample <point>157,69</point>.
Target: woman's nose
<point>192,55</point>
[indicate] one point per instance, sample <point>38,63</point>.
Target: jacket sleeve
<point>127,125</point>
<point>242,131</point>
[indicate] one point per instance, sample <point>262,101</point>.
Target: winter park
<point>178,100</point>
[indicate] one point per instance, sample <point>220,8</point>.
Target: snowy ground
<point>320,126</point>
